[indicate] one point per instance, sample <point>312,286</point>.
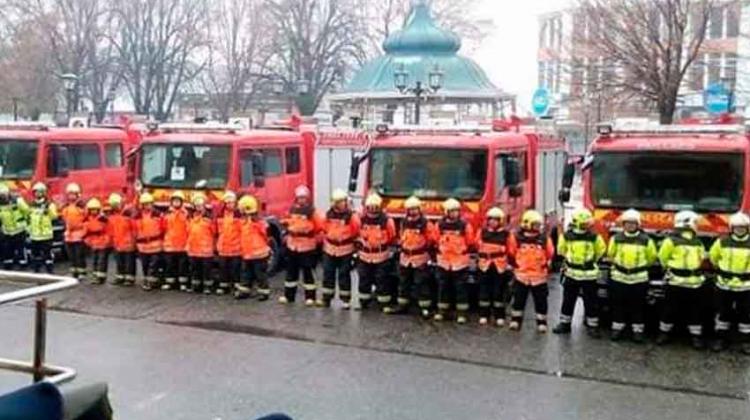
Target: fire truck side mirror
<point>259,173</point>
<point>569,173</point>
<point>564,195</point>
<point>354,171</point>
<point>512,171</point>
<point>515,191</point>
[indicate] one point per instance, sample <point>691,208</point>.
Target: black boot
<point>562,328</point>
<point>698,342</point>
<point>720,342</point>
<point>594,332</point>
<point>617,335</point>
<point>638,337</point>
<point>662,339</point>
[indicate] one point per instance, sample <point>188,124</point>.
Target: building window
<point>542,73</point>
<point>698,72</point>
<point>716,23</point>
<point>543,33</point>
<point>732,13</point>
<point>714,68</point>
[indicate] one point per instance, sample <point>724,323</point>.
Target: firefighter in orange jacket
<point>122,230</point>
<point>175,239</point>
<point>228,246</point>
<point>454,238</point>
<point>416,243</point>
<point>97,238</point>
<point>73,215</point>
<point>532,258</point>
<point>303,226</point>
<point>340,230</point>
<point>149,238</point>
<point>376,235</point>
<point>255,251</point>
<point>494,243</point>
<point>200,246</point>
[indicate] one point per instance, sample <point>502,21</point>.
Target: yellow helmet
<point>249,204</point>
<point>581,218</point>
<point>177,195</point>
<point>199,199</point>
<point>4,189</point>
<point>94,204</point>
<point>495,213</point>
<point>39,187</point>
<point>339,195</point>
<point>373,200</point>
<point>531,218</point>
<point>115,199</point>
<point>146,198</point>
<point>413,202</point>
<point>451,204</point>
<point>73,188</point>
<point>229,196</point>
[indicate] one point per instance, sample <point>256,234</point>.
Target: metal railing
<point>44,284</point>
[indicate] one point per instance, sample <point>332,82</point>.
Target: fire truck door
<point>511,203</point>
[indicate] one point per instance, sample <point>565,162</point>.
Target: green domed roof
<point>421,35</point>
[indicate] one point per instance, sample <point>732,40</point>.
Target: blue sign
<point>540,102</point>
<point>716,98</point>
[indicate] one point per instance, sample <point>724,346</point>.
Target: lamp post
<point>434,80</point>
<point>15,107</point>
<point>291,90</point>
<point>728,83</point>
<point>70,81</point>
<point>111,101</point>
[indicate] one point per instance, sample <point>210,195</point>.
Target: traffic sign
<point>716,98</point>
<point>540,102</point>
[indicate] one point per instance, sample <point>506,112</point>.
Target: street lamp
<point>70,81</point>
<point>111,101</point>
<point>728,83</point>
<point>401,82</point>
<point>291,90</point>
<point>15,100</point>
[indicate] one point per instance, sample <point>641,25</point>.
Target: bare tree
<point>647,45</point>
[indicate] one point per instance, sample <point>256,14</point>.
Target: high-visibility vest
<point>632,255</point>
<point>303,226</point>
<point>682,254</point>
<point>41,216</point>
<point>201,234</point>
<point>731,258</point>
<point>122,229</point>
<point>254,239</point>
<point>375,237</point>
<point>454,239</point>
<point>175,230</point>
<point>493,249</point>
<point>13,216</point>
<point>340,231</point>
<point>149,228</point>
<point>532,257</point>
<point>74,216</point>
<point>581,252</point>
<point>97,236</point>
<point>415,241</point>
<point>229,228</point>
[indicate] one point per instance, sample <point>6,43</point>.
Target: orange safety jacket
<point>303,225</point>
<point>149,232</point>
<point>375,237</point>
<point>74,216</point>
<point>340,230</point>
<point>532,258</point>
<point>453,238</point>
<point>97,236</point>
<point>254,239</point>
<point>175,230</point>
<point>122,230</point>
<point>416,241</point>
<point>201,234</point>
<point>494,248</point>
<point>229,229</point>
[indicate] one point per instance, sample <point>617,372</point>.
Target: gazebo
<point>421,56</point>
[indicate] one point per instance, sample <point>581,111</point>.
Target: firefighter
<point>730,256</point>
<point>682,255</point>
<point>14,213</point>
<point>376,234</point>
<point>581,250</point>
<point>149,231</point>
<point>122,229</point>
<point>97,239</point>
<point>42,214</point>
<point>200,246</point>
<point>416,243</point>
<point>454,239</point>
<point>175,238</point>
<point>303,226</point>
<point>494,243</point>
<point>532,257</point>
<point>340,228</point>
<point>73,215</point>
<point>255,251</point>
<point>632,253</point>
<point>228,244</point>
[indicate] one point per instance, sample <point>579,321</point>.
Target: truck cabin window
<point>429,173</point>
<point>17,158</point>
<point>705,182</point>
<point>185,166</point>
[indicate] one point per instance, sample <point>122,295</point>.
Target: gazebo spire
<point>421,34</point>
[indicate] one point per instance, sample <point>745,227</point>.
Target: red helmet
<point>302,192</point>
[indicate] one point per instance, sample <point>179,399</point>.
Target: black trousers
<point>77,255</point>
<point>150,265</point>
<point>177,267</point>
<point>684,303</point>
<point>370,275</point>
<point>337,270</point>
<point>539,294</point>
<point>13,251</point>
<point>628,304</point>
<point>415,283</point>
<point>300,262</point>
<point>41,255</point>
<point>255,273</point>
<point>99,265</point>
<point>200,272</point>
<point>493,287</point>
<point>733,305</point>
<point>571,290</point>
<point>452,287</point>
<point>229,269</point>
<point>125,263</point>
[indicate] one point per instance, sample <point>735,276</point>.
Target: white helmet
<point>739,219</point>
<point>301,192</point>
<point>686,219</point>
<point>631,215</point>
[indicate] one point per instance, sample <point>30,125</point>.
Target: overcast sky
<point>508,55</point>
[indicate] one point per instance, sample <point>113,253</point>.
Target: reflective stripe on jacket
<point>682,254</point>
<point>149,232</point>
<point>532,257</point>
<point>255,239</point>
<point>731,257</point>
<point>340,230</point>
<point>494,247</point>
<point>415,241</point>
<point>175,230</point>
<point>303,225</point>
<point>375,237</point>
<point>74,216</point>
<point>454,238</point>
<point>632,255</point>
<point>581,252</point>
<point>201,236</point>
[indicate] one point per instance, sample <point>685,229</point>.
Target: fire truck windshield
<point>185,166</point>
<point>429,173</point>
<point>17,158</point>
<point>708,182</point>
